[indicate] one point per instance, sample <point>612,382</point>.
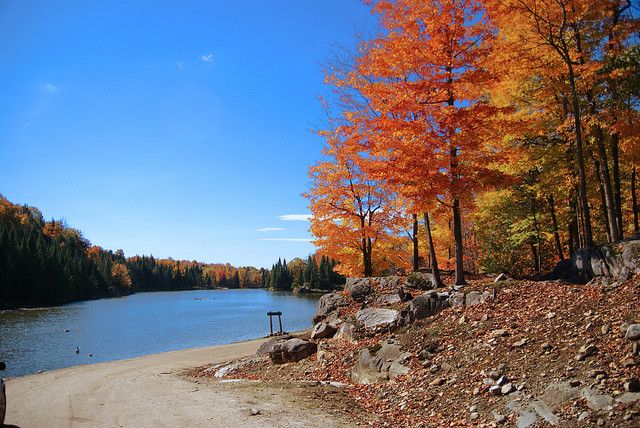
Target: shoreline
<point>212,349</point>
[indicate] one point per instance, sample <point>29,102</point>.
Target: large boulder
<point>266,347</point>
<point>378,318</point>
<point>380,363</point>
<point>421,280</point>
<point>427,305</point>
<point>619,261</point>
<point>291,350</point>
<point>358,288</point>
<point>323,330</point>
<point>328,304</point>
<point>473,298</point>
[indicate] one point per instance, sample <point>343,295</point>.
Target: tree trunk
<point>536,229</point>
<point>603,202</point>
<point>536,257</point>
<point>416,254</point>
<point>457,236</point>
<point>588,234</point>
<point>634,201</point>
<point>554,221</point>
<point>432,253</point>
<point>612,222</point>
<point>615,156</point>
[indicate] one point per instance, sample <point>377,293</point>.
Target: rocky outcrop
<point>380,363</point>
<point>427,305</point>
<point>291,350</point>
<point>358,288</point>
<point>619,261</point>
<point>323,330</point>
<point>328,304</point>
<point>378,318</point>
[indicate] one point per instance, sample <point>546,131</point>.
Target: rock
<point>494,374</point>
<point>323,330</point>
<point>575,383</point>
<point>527,419</point>
<point>254,412</point>
<point>586,351</point>
<point>501,380</point>
<point>502,277</point>
<point>499,333</point>
<point>358,288</point>
<point>583,416</point>
<point>635,348</point>
<point>327,304</point>
<point>379,363</point>
<point>291,350</point>
<point>546,346</point>
<point>426,305</point>
<point>633,385</point>
<point>495,390</point>
<point>437,381</point>
<point>474,415</point>
<point>473,298</point>
<point>498,417</point>
<point>629,362</point>
<point>595,400</point>
<point>346,332</point>
<point>507,388</point>
<point>520,343</point>
<point>265,348</point>
<point>604,329</point>
<point>422,281</point>
<point>633,332</point>
<point>456,299</point>
<point>387,299</point>
<point>378,318</point>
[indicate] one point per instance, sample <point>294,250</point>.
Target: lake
<point>141,324</point>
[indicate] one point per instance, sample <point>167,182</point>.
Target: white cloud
<point>207,58</point>
<point>50,88</point>
<point>286,239</point>
<point>270,229</point>
<point>295,217</point>
<point>180,65</point>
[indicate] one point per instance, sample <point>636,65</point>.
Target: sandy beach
<point>152,391</point>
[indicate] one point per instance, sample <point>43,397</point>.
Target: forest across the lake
<point>48,262</point>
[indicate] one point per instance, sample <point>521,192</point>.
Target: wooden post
<point>271,315</point>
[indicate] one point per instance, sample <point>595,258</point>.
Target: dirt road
<point>152,391</point>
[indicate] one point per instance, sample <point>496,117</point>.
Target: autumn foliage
<point>510,123</point>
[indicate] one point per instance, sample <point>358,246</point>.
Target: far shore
<point>152,391</point>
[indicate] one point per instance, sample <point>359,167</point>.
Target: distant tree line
<point>49,263</point>
<point>303,274</point>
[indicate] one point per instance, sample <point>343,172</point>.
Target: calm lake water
<point>141,324</point>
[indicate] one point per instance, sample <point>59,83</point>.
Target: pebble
<point>507,389</point>
<point>633,332</point>
<point>254,412</point>
<point>546,346</point>
<point>551,315</point>
<point>520,343</point>
<point>501,380</point>
<point>604,329</point>
<point>474,415</point>
<point>495,390</point>
<point>499,418</point>
<point>574,383</point>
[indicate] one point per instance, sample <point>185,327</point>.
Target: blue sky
<point>179,129</point>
